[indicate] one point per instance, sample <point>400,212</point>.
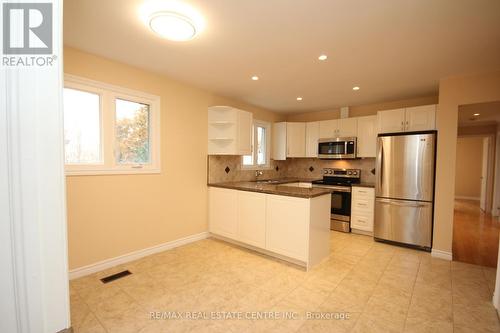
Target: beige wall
<point>468,167</point>
<point>362,110</point>
<point>453,92</point>
<point>109,216</point>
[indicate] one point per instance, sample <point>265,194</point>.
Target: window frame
<point>107,95</point>
<point>267,125</point>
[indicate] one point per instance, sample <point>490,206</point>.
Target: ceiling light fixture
<point>172,20</point>
<point>323,57</point>
<point>255,78</point>
<point>299,98</point>
<point>355,88</point>
<point>172,26</point>
<point>477,114</point>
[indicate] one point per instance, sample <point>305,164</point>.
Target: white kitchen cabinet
<point>278,136</point>
<point>343,127</point>
<point>222,212</point>
<point>251,218</point>
<point>295,139</point>
<point>367,136</point>
<point>229,131</point>
<point>362,209</point>
<point>287,226</point>
<point>347,127</point>
<point>312,136</point>
<point>391,121</point>
<point>418,118</point>
<point>294,229</point>
<point>421,118</point>
<point>245,129</point>
<point>328,128</point>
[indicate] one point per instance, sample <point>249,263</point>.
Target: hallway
<point>475,234</point>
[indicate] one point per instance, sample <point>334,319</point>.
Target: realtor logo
<point>27,28</point>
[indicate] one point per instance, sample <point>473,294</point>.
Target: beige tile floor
<point>366,286</point>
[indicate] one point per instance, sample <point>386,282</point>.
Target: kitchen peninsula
<point>278,218</point>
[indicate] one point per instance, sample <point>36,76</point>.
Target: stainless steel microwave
<point>337,148</point>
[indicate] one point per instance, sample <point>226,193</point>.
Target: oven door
<point>341,206</point>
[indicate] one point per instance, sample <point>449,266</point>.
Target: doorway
<point>475,229</point>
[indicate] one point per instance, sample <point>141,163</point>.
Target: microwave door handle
<point>345,147</point>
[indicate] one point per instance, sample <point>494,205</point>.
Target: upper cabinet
<point>312,136</point>
<point>278,137</point>
<point>344,127</point>
<point>367,136</point>
<point>229,131</point>
<point>347,127</point>
<point>421,118</point>
<point>295,139</point>
<point>328,128</point>
<point>418,118</point>
<point>391,121</point>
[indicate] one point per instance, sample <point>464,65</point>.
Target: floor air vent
<point>115,276</point>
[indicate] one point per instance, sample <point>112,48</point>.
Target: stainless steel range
<point>340,181</point>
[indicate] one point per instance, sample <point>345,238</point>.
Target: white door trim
<point>33,245</point>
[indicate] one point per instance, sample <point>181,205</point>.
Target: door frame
<point>491,166</point>
<point>34,280</point>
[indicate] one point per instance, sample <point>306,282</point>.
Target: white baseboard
<point>442,254</point>
<point>463,197</point>
<point>108,263</point>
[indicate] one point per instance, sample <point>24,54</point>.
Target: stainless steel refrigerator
<point>404,190</point>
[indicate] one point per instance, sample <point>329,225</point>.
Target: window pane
<point>82,127</point>
<point>248,160</point>
<point>132,132</point>
<point>261,146</point>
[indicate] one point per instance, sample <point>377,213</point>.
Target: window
<point>260,148</point>
<point>108,129</point>
<point>82,127</point>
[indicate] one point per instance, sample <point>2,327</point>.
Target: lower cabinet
<point>222,212</point>
<point>362,209</point>
<point>251,218</point>
<point>287,226</point>
<point>296,228</point>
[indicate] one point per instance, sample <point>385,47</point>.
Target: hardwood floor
<point>475,234</point>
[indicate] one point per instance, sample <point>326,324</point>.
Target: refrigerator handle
<point>380,157</point>
<point>403,203</point>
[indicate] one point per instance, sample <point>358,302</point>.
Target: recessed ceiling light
<point>477,114</point>
<point>355,88</point>
<point>172,26</point>
<point>255,78</point>
<point>323,57</point>
<point>299,98</point>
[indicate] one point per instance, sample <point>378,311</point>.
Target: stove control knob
<point>349,172</point>
<point>330,172</point>
<point>354,173</point>
<point>325,172</point>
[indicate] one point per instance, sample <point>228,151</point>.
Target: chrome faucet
<point>258,173</point>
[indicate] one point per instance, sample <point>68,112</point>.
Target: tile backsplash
<point>227,168</point>
<point>223,168</point>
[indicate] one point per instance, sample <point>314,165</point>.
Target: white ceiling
<point>392,49</point>
<point>489,113</point>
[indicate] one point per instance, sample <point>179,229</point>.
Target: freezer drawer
<point>402,221</point>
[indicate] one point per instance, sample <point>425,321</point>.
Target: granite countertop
<point>276,187</point>
<point>364,185</point>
